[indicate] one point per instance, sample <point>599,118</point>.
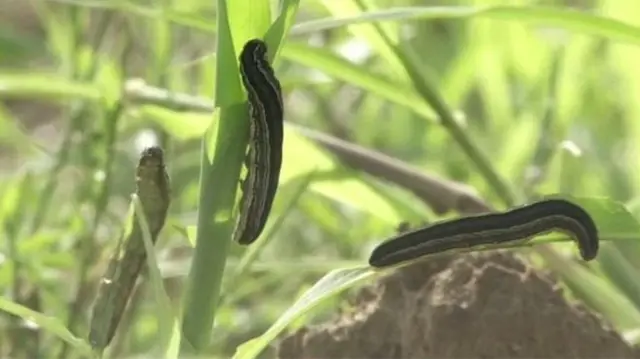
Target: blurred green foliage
<point>544,99</point>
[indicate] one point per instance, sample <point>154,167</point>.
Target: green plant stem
<point>217,192</point>
<point>468,146</point>
<point>219,174</point>
<point>428,91</point>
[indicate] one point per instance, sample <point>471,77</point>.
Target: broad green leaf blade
<point>301,156</point>
<point>248,19</point>
<point>330,285</point>
<point>357,194</point>
<point>280,28</point>
<point>342,69</point>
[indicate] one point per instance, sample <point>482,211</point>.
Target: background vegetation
<point>545,95</point>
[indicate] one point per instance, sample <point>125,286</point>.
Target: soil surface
<point>480,305</point>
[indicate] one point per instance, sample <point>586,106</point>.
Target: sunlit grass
<point>513,101</point>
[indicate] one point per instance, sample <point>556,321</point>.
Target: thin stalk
<point>428,91</point>
<point>217,192</point>
<point>219,174</point>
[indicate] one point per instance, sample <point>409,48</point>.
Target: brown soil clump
<point>488,305</point>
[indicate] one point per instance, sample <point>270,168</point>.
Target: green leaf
<point>359,195</point>
<point>576,20</point>
<point>182,126</point>
<point>328,286</point>
<point>301,156</point>
<point>368,33</point>
<point>339,68</point>
<point>48,323</point>
<point>595,291</point>
<point>44,86</point>
<point>612,218</point>
<point>620,272</point>
<point>251,254</point>
<point>169,325</point>
<point>280,28</point>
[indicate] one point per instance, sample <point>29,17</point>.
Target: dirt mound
<point>465,306</point>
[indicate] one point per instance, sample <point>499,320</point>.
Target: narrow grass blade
<point>169,327</point>
<point>221,162</point>
<point>252,253</point>
<point>571,19</point>
<point>48,323</point>
<point>595,291</point>
<point>328,286</point>
<point>44,87</point>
